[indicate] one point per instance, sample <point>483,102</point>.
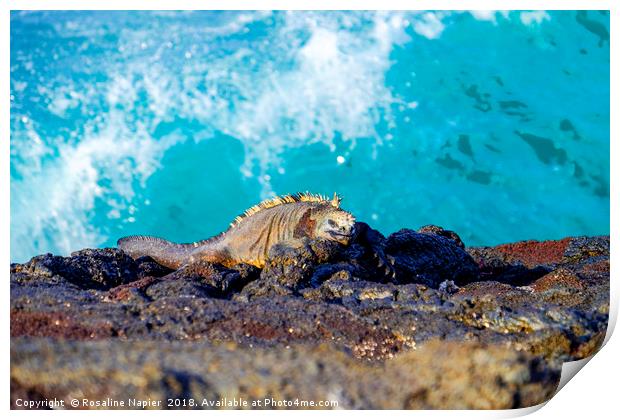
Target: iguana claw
<point>386,262</point>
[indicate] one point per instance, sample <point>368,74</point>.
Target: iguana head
<point>334,224</point>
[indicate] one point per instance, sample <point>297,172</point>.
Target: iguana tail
<point>166,253</point>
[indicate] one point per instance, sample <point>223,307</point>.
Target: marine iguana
<point>289,219</point>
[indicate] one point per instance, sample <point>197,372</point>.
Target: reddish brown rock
<point>560,278</point>
<point>57,325</point>
<point>535,253</point>
<point>129,291</point>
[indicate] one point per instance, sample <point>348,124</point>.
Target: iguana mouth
<point>342,235</point>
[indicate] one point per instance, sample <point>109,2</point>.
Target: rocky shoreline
<point>412,320</point>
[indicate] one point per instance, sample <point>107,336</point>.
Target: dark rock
<point>213,279</point>
<point>342,270</point>
<point>147,267</point>
<point>586,249</point>
<point>187,287</point>
<point>89,268</point>
<point>367,236</point>
<point>429,259</point>
<point>263,287</point>
<point>496,266</point>
<point>491,325</point>
<point>438,230</point>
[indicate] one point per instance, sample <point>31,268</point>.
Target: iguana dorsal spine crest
<point>288,198</point>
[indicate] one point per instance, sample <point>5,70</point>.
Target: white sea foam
<point>32,150</point>
<point>52,205</point>
<point>64,99</point>
<point>331,82</point>
<point>489,15</point>
<point>336,85</point>
<point>535,17</point>
<point>484,14</point>
<point>429,25</point>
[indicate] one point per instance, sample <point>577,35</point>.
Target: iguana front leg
<point>384,261</point>
<point>374,241</point>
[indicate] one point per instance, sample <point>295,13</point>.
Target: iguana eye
<point>331,223</point>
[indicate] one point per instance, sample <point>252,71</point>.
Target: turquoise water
<point>495,125</point>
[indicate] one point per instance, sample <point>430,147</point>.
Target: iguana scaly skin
<point>290,220</point>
